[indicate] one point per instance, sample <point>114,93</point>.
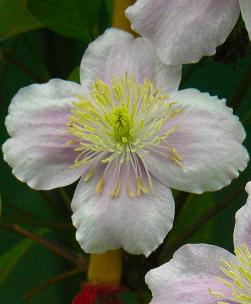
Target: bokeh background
<point>45,39</point>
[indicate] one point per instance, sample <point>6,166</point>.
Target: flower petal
<point>117,52</point>
<point>246,14</point>
<point>242,230</point>
<point>208,139</point>
<point>37,150</point>
<point>138,225</point>
<point>188,276</point>
<point>184,31</point>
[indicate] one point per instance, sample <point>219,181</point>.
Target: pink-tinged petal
<point>37,150</point>
<point>186,278</point>
<point>208,139</point>
<point>117,52</point>
<point>138,225</point>
<point>242,230</point>
<point>183,31</point>
<point>246,14</point>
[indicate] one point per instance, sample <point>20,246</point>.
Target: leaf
<point>128,297</point>
<point>16,19</point>
<point>74,19</point>
<point>191,211</point>
<point>9,259</point>
<point>75,76</point>
<point>193,208</point>
<point>109,8</point>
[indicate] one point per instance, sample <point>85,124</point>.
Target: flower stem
<point>56,248</point>
<point>50,282</point>
<point>119,19</point>
<point>105,268</point>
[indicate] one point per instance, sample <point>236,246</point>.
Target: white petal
<point>246,14</point>
<point>37,150</point>
<point>138,225</point>
<point>186,279</point>
<point>242,230</point>
<point>117,52</point>
<point>208,139</point>
<point>183,31</point>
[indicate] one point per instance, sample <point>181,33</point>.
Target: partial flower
<point>129,135</point>
<point>200,273</point>
<point>184,31</point>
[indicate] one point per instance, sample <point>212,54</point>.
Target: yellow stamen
<point>116,190</point>
<point>100,185</point>
<point>238,278</point>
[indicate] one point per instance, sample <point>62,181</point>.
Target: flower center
<point>122,124</point>
<point>116,126</point>
<point>237,278</point>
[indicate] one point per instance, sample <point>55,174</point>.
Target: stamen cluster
<point>116,126</point>
<point>238,279</point>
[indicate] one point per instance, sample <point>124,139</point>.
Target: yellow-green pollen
<point>237,278</point>
<point>116,126</point>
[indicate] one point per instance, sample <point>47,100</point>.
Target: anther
<point>116,191</point>
<point>100,185</point>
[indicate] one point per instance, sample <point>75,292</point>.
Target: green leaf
<point>16,19</point>
<point>9,259</point>
<point>75,18</point>
<point>75,76</point>
<point>109,8</point>
<point>128,297</point>
<point>192,210</point>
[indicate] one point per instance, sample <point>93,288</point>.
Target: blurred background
<point>45,39</point>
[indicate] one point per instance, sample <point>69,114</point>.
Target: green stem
<point>51,281</point>
<point>8,57</point>
<point>55,248</point>
<point>37,223</point>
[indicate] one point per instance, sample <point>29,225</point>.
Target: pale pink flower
<point>129,135</point>
<point>185,30</point>
<point>201,273</point>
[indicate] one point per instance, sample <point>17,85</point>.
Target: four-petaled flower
<point>130,136</point>
<point>185,30</point>
<point>201,273</point>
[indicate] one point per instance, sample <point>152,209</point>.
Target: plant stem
<point>55,248</point>
<point>106,267</point>
<point>37,223</point>
<point>22,67</point>
<point>119,19</point>
<point>50,282</point>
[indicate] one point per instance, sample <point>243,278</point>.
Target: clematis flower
<point>129,135</point>
<point>183,31</point>
<point>201,273</point>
